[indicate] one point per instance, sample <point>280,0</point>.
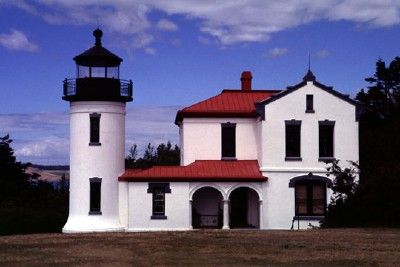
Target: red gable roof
<point>200,170</point>
<point>229,103</point>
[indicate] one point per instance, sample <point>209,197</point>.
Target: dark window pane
<point>94,129</point>
<point>95,196</point>
<point>292,140</point>
<point>158,201</point>
<point>228,141</point>
<point>309,102</point>
<point>326,140</point>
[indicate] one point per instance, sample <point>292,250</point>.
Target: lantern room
<point>97,76</point>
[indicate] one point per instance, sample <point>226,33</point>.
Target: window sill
<point>293,159</point>
<point>309,217</point>
<point>158,217</point>
<point>94,144</point>
<point>228,158</point>
<point>310,111</point>
<point>326,159</point>
<point>95,213</point>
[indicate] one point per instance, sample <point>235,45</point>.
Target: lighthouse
<point>98,100</point>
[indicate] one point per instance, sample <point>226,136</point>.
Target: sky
<point>178,52</point>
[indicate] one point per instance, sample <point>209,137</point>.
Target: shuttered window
<point>310,198</point>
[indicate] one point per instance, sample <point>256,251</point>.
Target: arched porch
<point>245,208</point>
<point>207,208</point>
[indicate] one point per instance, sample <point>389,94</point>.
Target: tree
<point>382,98</point>
<point>340,209</point>
<point>13,179</point>
<point>163,155</point>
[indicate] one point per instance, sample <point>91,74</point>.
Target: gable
<point>307,80</point>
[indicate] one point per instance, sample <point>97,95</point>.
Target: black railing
<point>70,87</point>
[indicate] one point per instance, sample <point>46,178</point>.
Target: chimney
<point>246,80</point>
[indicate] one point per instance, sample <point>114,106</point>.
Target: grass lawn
<point>339,247</point>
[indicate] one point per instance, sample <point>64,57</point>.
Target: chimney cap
<point>246,75</point>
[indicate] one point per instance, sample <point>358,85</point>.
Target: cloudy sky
<point>178,52</point>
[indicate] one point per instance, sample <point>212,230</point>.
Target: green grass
<point>331,247</point>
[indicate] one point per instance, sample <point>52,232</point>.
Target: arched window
<point>310,194</point>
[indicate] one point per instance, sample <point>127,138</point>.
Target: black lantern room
<point>97,76</point>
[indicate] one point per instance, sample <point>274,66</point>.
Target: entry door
<point>238,201</point>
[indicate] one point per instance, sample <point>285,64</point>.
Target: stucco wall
<point>105,161</point>
<point>292,106</point>
<point>201,138</point>
<point>279,201</point>
<point>141,204</point>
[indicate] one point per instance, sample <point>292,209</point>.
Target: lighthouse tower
<point>97,99</point>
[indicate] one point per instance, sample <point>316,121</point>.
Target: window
<point>326,129</point>
<point>309,104</point>
<point>158,190</point>
<point>228,140</point>
<point>310,198</point>
<point>292,135</point>
<point>95,129</point>
<point>95,196</point>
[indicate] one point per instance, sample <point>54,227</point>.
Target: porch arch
<point>206,208</point>
<point>245,207</point>
<point>212,185</point>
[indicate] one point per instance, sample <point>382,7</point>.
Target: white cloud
<point>150,51</point>
<point>277,52</point>
<point>167,25</point>
<point>323,53</point>
<point>18,41</point>
<point>228,22</point>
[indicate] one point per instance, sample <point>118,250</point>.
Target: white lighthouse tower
<point>97,139</point>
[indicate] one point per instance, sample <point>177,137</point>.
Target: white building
<point>249,158</point>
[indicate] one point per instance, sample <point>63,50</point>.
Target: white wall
<point>279,203</point>
<point>141,207</point>
<point>201,138</point>
<point>105,161</point>
<point>292,106</point>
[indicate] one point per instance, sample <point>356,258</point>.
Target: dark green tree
<point>163,155</point>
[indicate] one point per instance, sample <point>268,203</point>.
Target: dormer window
<point>310,104</point>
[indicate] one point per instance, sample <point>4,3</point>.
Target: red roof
<point>229,103</point>
<point>200,170</point>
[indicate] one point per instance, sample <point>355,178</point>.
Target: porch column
<point>226,214</point>
<point>190,214</point>
<point>260,214</point>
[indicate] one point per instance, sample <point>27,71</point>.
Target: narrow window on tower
<point>310,104</point>
<point>326,138</point>
<point>95,196</point>
<point>158,191</point>
<point>95,129</point>
<point>292,135</point>
<point>228,140</point>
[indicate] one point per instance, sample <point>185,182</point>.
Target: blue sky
<point>178,52</point>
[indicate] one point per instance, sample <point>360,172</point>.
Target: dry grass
<point>342,247</point>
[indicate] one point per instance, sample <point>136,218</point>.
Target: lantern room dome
<point>98,56</point>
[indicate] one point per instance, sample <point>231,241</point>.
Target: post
<point>260,214</point>
<point>190,215</point>
<point>226,214</point>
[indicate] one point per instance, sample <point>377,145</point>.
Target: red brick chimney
<point>246,80</point>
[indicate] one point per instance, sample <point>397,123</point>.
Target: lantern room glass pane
<point>113,72</point>
<point>98,72</point>
<point>83,72</point>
